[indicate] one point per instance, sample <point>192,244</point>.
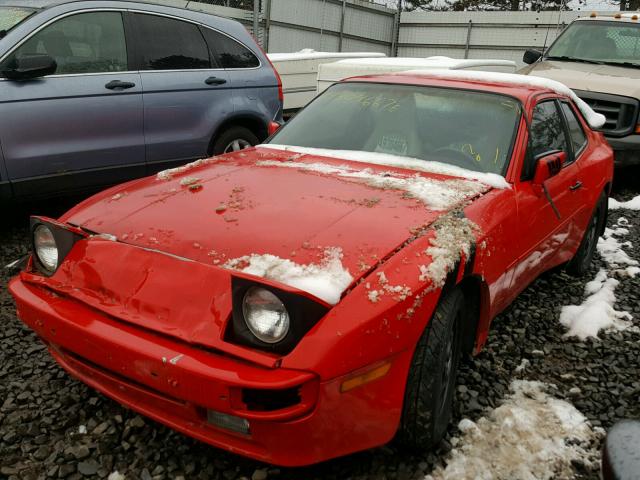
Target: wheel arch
<point>476,294</point>
<point>254,123</point>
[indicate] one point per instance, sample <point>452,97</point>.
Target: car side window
<point>547,132</point>
<point>230,53</point>
<point>576,133</point>
<point>92,42</point>
<point>169,44</point>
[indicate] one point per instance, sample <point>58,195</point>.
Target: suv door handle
<point>575,186</point>
<point>215,81</point>
<point>113,84</point>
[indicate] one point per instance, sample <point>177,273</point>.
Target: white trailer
<point>299,73</point>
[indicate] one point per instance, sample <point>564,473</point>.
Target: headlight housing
<point>265,315</point>
<point>51,242</point>
<point>45,247</point>
<point>269,318</point>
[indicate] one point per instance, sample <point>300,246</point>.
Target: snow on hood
<point>435,194</point>
<point>427,166</point>
<point>531,435</point>
<point>326,280</point>
<point>595,120</point>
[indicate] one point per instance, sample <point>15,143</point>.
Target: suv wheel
<point>234,139</point>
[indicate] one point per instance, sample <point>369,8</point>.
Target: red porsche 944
<point>312,296</point>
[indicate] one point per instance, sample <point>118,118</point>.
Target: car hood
<point>261,202</point>
<point>589,77</point>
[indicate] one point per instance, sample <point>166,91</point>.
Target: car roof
<point>513,85</point>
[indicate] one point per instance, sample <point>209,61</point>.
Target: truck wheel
<point>234,139</point>
<point>581,261</point>
<point>432,376</point>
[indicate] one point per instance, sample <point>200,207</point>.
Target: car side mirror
<point>531,56</point>
<point>548,166</point>
<point>30,66</point>
<point>621,451</point>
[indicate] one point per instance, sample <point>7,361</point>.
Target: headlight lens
<point>45,247</point>
<point>265,315</point>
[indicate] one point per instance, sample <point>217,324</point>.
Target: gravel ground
<point>43,410</point>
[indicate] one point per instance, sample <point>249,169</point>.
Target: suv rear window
<point>169,44</point>
<point>230,53</point>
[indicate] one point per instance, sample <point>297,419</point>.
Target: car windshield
<point>599,42</point>
<point>464,128</point>
<point>12,16</point>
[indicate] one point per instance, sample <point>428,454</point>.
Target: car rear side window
<point>578,138</point>
<point>84,43</point>
<point>169,44</point>
<point>547,130</point>
<point>230,53</point>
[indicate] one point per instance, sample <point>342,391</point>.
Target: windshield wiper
<point>564,58</point>
<point>623,64</point>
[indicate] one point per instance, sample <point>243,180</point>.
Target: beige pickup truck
<point>599,58</point>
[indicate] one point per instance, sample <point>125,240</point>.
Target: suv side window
<point>229,53</point>
<point>169,44</point>
<point>576,133</point>
<point>92,42</point>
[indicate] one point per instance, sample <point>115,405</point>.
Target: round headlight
<point>265,315</point>
<point>45,247</point>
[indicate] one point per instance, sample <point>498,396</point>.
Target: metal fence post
<point>396,30</point>
<point>256,20</point>
<point>344,9</point>
<point>466,47</point>
<point>267,25</point>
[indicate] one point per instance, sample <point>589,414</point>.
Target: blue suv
<point>94,93</point>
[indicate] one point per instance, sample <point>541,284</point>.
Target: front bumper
<point>626,150</point>
<point>176,384</point>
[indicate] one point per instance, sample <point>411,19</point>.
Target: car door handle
<point>575,186</point>
<point>114,84</point>
<point>215,81</point>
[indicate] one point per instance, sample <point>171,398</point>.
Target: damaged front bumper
<point>276,415</point>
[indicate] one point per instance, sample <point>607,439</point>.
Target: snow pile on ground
<point>633,204</point>
<point>530,436</point>
<point>311,54</point>
<point>435,194</point>
<point>597,312</point>
<point>595,120</point>
<point>428,166</point>
<point>454,235</point>
<point>326,280</point>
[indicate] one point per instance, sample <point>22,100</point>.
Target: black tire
<point>581,261</point>
<point>428,399</point>
<point>240,136</point>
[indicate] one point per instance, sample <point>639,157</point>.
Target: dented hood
<point>236,205</point>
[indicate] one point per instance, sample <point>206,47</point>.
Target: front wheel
<point>234,139</point>
<point>428,399</point>
<point>581,261</point>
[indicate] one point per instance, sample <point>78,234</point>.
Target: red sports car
<point>312,297</point>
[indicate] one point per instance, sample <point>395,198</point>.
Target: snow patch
<point>115,475</point>
<point>186,181</point>
<point>596,312</point>
<point>311,54</point>
<point>523,364</point>
<point>530,436</point>
<point>82,429</point>
<point>376,158</point>
<point>633,204</point>
<point>435,194</point>
<point>595,120</point>
<point>428,62</point>
<point>326,280</point>
<point>454,235</point>
<point>169,173</point>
